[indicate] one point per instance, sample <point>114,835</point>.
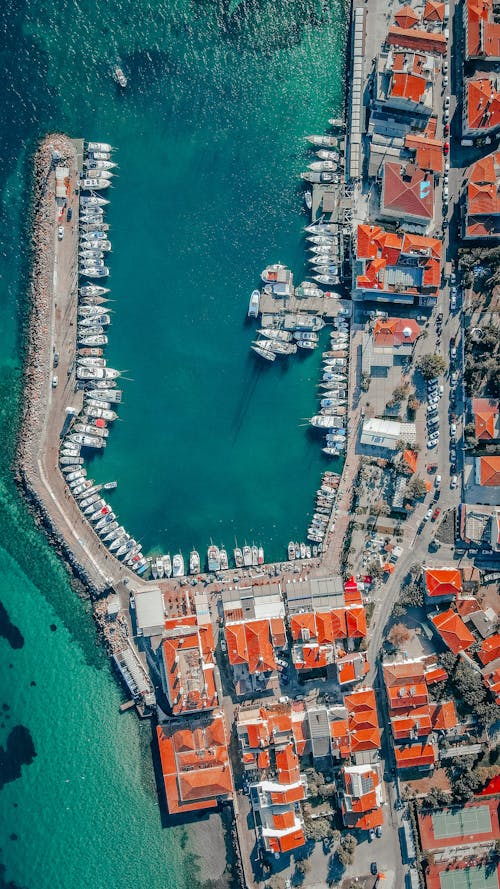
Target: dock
<point>325,306</point>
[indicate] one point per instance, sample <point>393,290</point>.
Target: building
<point>481,107</point>
<point>387,434</point>
<point>480,526</point>
<point>486,420</point>
<point>361,796</point>
<point>417,40</point>
<point>320,638</point>
<point>149,612</point>
<point>252,647</point>
<point>455,635</point>
<point>487,471</point>
<point>405,82</point>
<point>188,666</point>
<point>362,721</point>
<point>482,32</point>
<point>441,584</point>
<point>481,216</point>
<point>399,268</point>
<point>195,763</point>
<point>391,342</point>
<point>426,151</point>
<point>407,195</point>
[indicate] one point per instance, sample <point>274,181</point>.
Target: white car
<point>445,81</point>
<point>432,399</point>
<point>453,481</point>
<point>444,67</point>
<point>60,233</point>
<point>453,428</point>
<point>437,481</point>
<point>434,436</point>
<point>446,115</point>
<point>441,391</point>
<point>431,444</point>
<point>427,515</point>
<point>453,302</point>
<point>446,166</point>
<point>446,193</point>
<point>447,102</point>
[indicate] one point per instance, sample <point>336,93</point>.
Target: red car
<point>446,147</point>
<point>435,514</point>
<point>446,129</point>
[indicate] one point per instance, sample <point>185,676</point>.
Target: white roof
<point>382,427</point>
<point>149,609</point>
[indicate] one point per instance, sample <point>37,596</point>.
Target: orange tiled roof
<point>287,764</point>
<point>251,643</point>
<point>442,581</point>
<point>188,651</point>
<point>195,763</point>
<point>483,34</point>
<point>407,191</point>
<point>408,86</point>
<point>395,331</point>
<point>428,152</point>
<point>411,38</point>
<point>356,622</point>
<point>485,411</point>
<point>489,469</point>
<point>490,649</point>
<point>370,820</point>
<point>438,674</point>
<point>414,755</point>
<point>483,104</point>
<point>434,11</point>
<point>362,720</point>
<point>352,667</point>
<point>443,716</point>
<point>413,722</point>
<point>287,842</point>
<point>402,673</point>
<point>453,631</point>
<point>406,17</point>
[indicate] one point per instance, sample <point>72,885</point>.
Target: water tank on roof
<point>407,331</point>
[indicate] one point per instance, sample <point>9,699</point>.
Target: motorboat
<point>109,486</point>
<point>98,244</point>
<point>247,556</point>
<point>107,528</point>
<point>320,421</point>
<point>306,336</point>
<point>302,550</point>
<point>94,184</point>
<point>104,318</point>
<point>100,413</point>
<point>253,305</point>
<point>337,123</point>
<point>93,290</point>
<point>321,228</point>
<point>238,557</point>
<point>178,565</point>
<point>88,429</point>
<point>273,333</point>
<point>88,441</point>
<point>93,164</point>
<point>263,353</point>
<point>91,311</point>
<point>331,451</point>
<point>224,561</point>
<point>119,77</point>
<point>276,346</point>
<point>70,464</point>
<point>291,551</point>
<point>213,558</point>
<point>194,562</point>
<point>167,565</point>
<point>322,166</point>
<point>326,155</point>
<point>160,571</point>
<point>323,141</point>
<point>308,199</point>
<point>321,240</point>
<point>255,556</point>
<point>261,555</point>
<point>99,146</point>
<point>309,322</point>
<point>94,154</point>
<point>306,344</point>
<point>327,279</point>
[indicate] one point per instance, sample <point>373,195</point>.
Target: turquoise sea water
<point>210,136</point>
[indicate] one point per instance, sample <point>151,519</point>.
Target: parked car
<point>60,232</point>
<point>371,834</point>
<point>453,353</point>
<point>446,166</point>
<point>446,132</point>
<point>453,481</point>
<point>453,428</point>
<point>378,832</point>
<point>444,67</point>
<point>441,391</point>
<point>69,214</point>
<point>374,868</point>
<point>453,303</point>
<point>435,514</point>
<point>447,102</point>
<point>55,381</point>
<point>439,317</point>
<point>56,359</point>
<point>446,148</point>
<point>427,515</point>
<point>454,378</point>
<point>453,455</point>
<point>446,193</point>
<point>437,481</point>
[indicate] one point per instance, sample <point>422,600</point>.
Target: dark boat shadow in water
<point>256,368</point>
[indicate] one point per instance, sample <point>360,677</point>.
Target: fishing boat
<point>90,352</point>
<point>224,561</point>
<point>273,273</point>
<point>306,345</point>
<point>337,123</point>
<point>253,305</point>
<point>93,272</point>
<point>194,562</point>
<point>323,141</point>
<point>260,558</point>
<point>98,155</point>
<point>255,556</point>
<point>167,565</point>
<point>70,464</point>
<point>331,451</point>
<point>119,77</point>
<point>160,571</point>
<point>99,340</point>
<point>247,556</point>
<point>238,557</point>
<point>213,558</point>
<point>101,413</point>
<point>291,551</point>
<point>319,178</point>
<point>89,429</point>
<point>94,200</point>
<point>309,322</point>
<point>88,441</point>
<point>95,164</point>
<point>326,155</point>
<point>96,244</point>
<point>263,353</point>
<point>93,290</point>
<point>94,184</point>
<point>178,565</point>
<point>99,146</point>
<point>272,333</point>
<point>308,199</point>
<point>322,166</point>
<point>113,395</point>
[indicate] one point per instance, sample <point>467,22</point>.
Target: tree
<point>416,488</point>
<point>275,881</point>
<point>411,595</point>
<point>399,635</point>
<point>317,829</point>
<point>380,507</point>
<point>345,852</point>
<point>399,392</point>
<point>431,366</point>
